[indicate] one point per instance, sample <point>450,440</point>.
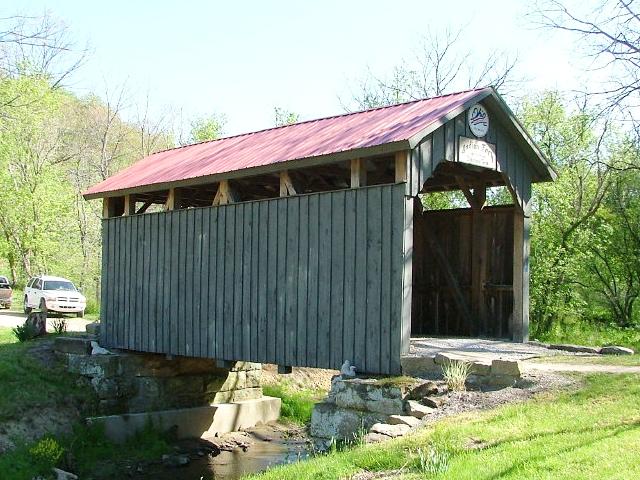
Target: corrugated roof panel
<point>301,140</point>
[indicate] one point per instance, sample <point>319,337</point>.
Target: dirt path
<point>577,367</point>
<point>11,318</point>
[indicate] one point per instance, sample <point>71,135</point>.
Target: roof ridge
<point>322,118</point>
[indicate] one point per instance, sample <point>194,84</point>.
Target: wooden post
<point>173,200</point>
<point>401,166</point>
<point>224,195</point>
<point>407,273</point>
<point>478,261</point>
<point>129,205</point>
<point>358,173</point>
<point>286,184</point>
<point>520,317</point>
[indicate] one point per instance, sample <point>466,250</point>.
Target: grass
<point>622,360</point>
<point>582,332</point>
<point>25,383</point>
<point>297,403</point>
<point>592,433</point>
<point>86,452</point>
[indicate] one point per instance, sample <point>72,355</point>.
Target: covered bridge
<point>308,244</point>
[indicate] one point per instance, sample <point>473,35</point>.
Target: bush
<point>46,453</point>
<point>92,308</point>
<point>456,374</point>
<point>24,332</point>
<point>60,325</point>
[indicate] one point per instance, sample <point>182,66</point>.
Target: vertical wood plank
<point>255,274</point>
<point>374,265</point>
<point>314,272</point>
<point>360,356</point>
<point>245,311</point>
<point>291,278</point>
<point>263,269</point>
<point>324,344</point>
<point>211,311</point>
<point>281,290</point>
<point>386,247</point>
<point>337,277</point>
<point>272,281</point>
<point>407,276</point>
<point>302,281</point>
<point>350,266</point>
<point>199,330</point>
<point>238,284</point>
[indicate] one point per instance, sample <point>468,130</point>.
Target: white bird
<point>98,350</point>
<point>348,370</point>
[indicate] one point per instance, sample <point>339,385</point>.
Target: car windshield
<point>4,279</point>
<point>59,285</point>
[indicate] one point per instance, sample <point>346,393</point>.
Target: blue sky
<point>243,58</point>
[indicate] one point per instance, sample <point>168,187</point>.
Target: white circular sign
<point>478,119</point>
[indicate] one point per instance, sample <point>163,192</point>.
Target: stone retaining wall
<point>127,382</point>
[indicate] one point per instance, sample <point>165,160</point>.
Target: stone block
<point>367,395</point>
<point>184,385</point>
<point>106,388</point>
<point>616,350</point>
<point>433,402</point>
<point>221,397</point>
<point>420,367</point>
<point>375,438</point>
<point>253,378</point>
<point>408,420</point>
<point>330,421</point>
<point>481,368</point>
<point>95,365</point>
<point>236,380</point>
<point>505,367</point>
<point>74,345</point>
<point>93,328</point>
<point>501,381</point>
<point>246,366</point>
<point>246,394</point>
<point>392,431</point>
<point>416,409</point>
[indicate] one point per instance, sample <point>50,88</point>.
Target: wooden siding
<point>309,280</point>
<point>442,145</point>
<point>434,307</point>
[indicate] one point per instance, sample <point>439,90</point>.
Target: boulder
<point>368,395</point>
<point>501,381</point>
<point>433,402</point>
<point>93,328</point>
<point>408,420</point>
<point>416,409</point>
<point>375,437</point>
<point>62,475</point>
<point>422,390</point>
<point>616,350</point>
<point>505,367</point>
<point>392,431</point>
<point>330,421</point>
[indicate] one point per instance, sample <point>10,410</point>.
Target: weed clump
<point>455,374</point>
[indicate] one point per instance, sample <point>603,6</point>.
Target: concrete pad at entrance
<point>194,422</point>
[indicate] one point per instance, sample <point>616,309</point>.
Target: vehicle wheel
<point>27,308</point>
<point>43,306</point>
<point>80,314</point>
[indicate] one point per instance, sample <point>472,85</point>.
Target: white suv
<point>53,294</point>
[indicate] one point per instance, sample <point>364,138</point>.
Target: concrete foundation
<point>195,422</point>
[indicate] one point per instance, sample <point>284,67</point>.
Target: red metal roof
<point>312,138</point>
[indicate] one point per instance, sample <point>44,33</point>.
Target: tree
<point>207,128</point>
<point>442,65</point>
<point>284,117</point>
<point>610,33</point>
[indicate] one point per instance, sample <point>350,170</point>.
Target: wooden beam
<point>401,160</point>
<point>225,194</point>
<point>358,172</point>
<point>173,199</point>
<point>129,205</point>
<point>449,276</point>
<point>520,316</point>
<point>286,184</point>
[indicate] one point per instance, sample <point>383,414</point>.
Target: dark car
<point>5,292</point>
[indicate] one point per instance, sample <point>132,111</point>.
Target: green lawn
<point>581,332</point>
<point>297,403</point>
<point>624,360</point>
<point>26,383</point>
<point>592,433</point>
